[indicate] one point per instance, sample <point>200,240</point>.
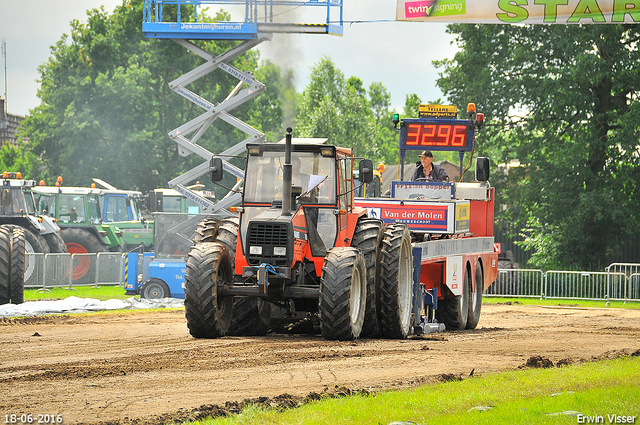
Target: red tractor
<point>300,244</point>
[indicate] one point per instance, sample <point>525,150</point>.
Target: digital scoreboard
<point>436,134</point>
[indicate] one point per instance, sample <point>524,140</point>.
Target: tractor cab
<point>297,204</point>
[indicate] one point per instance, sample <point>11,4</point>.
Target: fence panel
<point>517,282</point>
<point>580,285</point>
<point>69,270</point>
<point>627,290</point>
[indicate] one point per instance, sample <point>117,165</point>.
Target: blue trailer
<point>155,278</point>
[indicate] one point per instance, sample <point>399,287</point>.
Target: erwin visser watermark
<point>608,419</point>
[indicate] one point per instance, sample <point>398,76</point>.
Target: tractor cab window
<point>13,201</point>
<point>71,208</point>
<point>116,209</point>
<point>172,203</point>
<point>134,205</point>
<point>93,209</point>
<point>310,171</point>
<point>19,204</point>
<point>30,200</point>
<point>46,205</point>
<point>193,207</point>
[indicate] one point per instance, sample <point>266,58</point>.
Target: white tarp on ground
<point>82,305</point>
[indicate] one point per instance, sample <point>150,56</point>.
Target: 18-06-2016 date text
<point>30,418</point>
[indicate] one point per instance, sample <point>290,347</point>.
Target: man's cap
<point>426,153</point>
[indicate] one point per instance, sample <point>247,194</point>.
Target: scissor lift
<point>262,18</point>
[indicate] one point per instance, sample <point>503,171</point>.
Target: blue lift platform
<point>180,19</point>
<point>255,21</point>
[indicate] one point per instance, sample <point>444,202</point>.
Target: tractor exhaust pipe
<point>286,175</point>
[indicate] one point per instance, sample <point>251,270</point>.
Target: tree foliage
<point>107,107</point>
<point>343,111</point>
<point>563,101</point>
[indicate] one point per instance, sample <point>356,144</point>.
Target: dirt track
<point>145,368</point>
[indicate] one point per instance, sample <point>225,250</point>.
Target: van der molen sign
<point>520,11</point>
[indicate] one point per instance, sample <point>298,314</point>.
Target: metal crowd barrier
<point>619,282</point>
<point>45,271</point>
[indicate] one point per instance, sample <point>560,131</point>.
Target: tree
<point>17,157</point>
<point>344,112</point>
<point>107,106</point>
<point>563,100</point>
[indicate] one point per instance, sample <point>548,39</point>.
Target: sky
<point>373,48</point>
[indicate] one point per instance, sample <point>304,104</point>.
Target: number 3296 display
<point>436,136</point>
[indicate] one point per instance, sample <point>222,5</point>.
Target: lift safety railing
<point>171,19</point>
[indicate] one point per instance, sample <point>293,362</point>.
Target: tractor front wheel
<point>209,266</point>
<point>396,287</point>
<point>343,294</point>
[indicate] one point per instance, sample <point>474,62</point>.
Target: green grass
<point>634,305</point>
<point>519,397</point>
<point>101,293</point>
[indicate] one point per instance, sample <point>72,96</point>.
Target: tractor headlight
<point>279,250</point>
<point>255,250</point>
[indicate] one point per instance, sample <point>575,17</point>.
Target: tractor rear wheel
<point>475,301</point>
<point>56,243</point>
<point>454,311</point>
<point>396,288</point>
<point>5,264</point>
<point>81,241</point>
<point>209,266</point>
<point>16,277</point>
<point>206,230</point>
<point>34,244</point>
<point>228,235</point>
<point>367,237</point>
<point>343,294</point>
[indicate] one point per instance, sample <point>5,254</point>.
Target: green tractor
<point>78,213</point>
<point>121,208</point>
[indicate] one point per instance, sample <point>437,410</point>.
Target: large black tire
<point>343,294</point>
<point>16,277</point>
<point>34,244</point>
<point>208,266</point>
<point>367,237</point>
<point>453,311</point>
<point>82,241</point>
<point>396,287</point>
<point>228,234</point>
<point>251,315</point>
<point>206,230</point>
<point>155,289</point>
<point>475,301</point>
<point>5,264</point>
<point>56,243</point>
